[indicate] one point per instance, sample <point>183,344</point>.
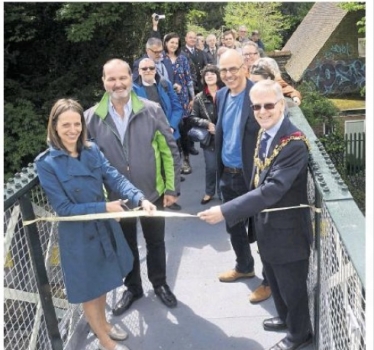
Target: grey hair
<point>270,62</point>
<point>153,42</point>
<point>250,43</point>
<point>267,86</point>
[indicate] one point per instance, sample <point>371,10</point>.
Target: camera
<point>158,17</point>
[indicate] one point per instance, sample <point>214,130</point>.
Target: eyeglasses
<point>250,54</point>
<point>148,68</point>
<point>156,52</point>
<point>267,106</point>
<point>232,70</point>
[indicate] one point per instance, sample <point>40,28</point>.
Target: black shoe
<point>174,206</point>
<point>274,324</point>
<point>124,304</point>
<point>166,296</point>
<point>183,178</point>
<point>205,201</point>
<point>286,344</point>
<point>193,151</point>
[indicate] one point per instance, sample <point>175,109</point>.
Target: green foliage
<point>294,13</point>
<point>335,146</point>
<point>316,108</point>
<point>263,16</point>
<point>356,6</point>
<point>54,50</point>
<point>24,135</point>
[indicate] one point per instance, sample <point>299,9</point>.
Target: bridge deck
<point>210,314</point>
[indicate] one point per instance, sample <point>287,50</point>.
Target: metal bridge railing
<point>37,315</point>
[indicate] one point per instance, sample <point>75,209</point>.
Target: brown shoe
<point>233,275</point>
<point>261,293</point>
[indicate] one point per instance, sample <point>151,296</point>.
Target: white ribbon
<point>103,216</point>
<point>138,213</point>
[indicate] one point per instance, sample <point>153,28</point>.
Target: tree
<point>294,13</point>
<point>263,16</point>
<point>55,50</point>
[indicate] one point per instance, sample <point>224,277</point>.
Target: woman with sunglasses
<point>204,114</point>
<point>183,86</point>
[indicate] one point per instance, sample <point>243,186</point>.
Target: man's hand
<point>212,215</point>
<point>148,207</point>
<point>169,200</point>
<point>154,22</point>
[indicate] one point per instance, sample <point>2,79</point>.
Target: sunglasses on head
<point>267,106</point>
<point>147,68</point>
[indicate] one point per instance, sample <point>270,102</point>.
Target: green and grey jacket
<point>148,156</point>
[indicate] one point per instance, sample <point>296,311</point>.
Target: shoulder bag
<point>198,133</point>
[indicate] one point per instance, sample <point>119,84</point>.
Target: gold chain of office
<point>261,165</point>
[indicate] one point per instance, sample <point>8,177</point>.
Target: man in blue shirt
<point>236,135</point>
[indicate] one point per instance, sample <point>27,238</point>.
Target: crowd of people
<point>139,149</point>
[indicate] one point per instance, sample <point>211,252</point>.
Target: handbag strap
<point>202,104</point>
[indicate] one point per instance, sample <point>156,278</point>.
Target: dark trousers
<point>232,186</point>
<point>288,283</point>
<point>184,127</point>
<point>211,183</point>
<point>154,235</point>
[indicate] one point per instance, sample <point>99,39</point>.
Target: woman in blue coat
<point>95,257</point>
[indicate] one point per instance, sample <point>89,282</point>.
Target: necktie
<point>263,144</point>
<point>192,50</point>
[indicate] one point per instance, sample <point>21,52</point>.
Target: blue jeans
<point>211,172</point>
<point>232,186</point>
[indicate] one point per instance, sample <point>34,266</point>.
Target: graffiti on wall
<point>337,51</point>
<point>337,77</point>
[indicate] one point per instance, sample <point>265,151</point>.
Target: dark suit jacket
<point>248,131</point>
<point>211,58</point>
<point>286,235</point>
<point>166,63</point>
<point>199,61</point>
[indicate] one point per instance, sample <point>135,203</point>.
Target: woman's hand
<point>296,100</point>
<point>177,88</point>
<point>115,207</point>
<point>212,128</point>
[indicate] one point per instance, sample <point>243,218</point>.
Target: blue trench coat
<point>95,256</point>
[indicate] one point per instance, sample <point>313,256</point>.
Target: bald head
<point>231,56</point>
<point>232,71</point>
<point>116,62</point>
<point>117,79</point>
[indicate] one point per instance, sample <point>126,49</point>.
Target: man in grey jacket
<point>135,136</point>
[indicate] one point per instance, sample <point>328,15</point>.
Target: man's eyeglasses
<point>267,106</point>
<point>250,54</point>
<point>148,68</point>
<point>156,52</point>
<point>232,70</point>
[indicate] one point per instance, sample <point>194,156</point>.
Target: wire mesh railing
<point>25,325</point>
